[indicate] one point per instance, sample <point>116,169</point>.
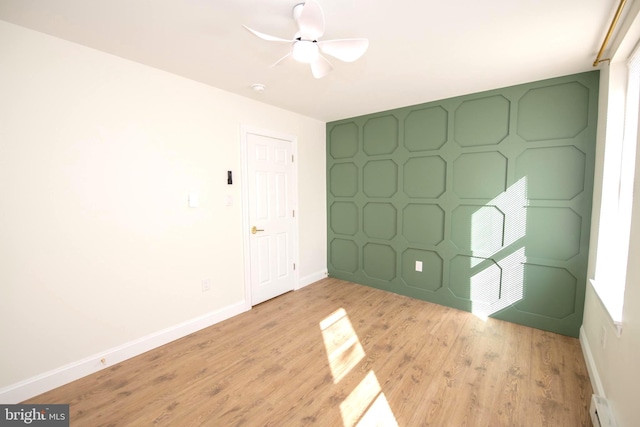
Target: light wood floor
<point>339,354</point>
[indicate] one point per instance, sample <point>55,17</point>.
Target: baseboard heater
<point>601,415</point>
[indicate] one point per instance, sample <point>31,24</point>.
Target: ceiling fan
<point>305,46</point>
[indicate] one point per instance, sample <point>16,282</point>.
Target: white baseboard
<point>311,278</point>
<point>596,382</point>
<point>46,381</point>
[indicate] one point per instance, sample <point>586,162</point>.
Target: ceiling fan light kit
<point>305,51</point>
<point>305,46</point>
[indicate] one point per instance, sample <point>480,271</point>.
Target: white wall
<point>615,369</point>
<point>98,247</point>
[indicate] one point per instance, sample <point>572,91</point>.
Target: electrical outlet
<point>419,266</point>
<point>206,285</point>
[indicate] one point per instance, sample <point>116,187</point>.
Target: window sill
<point>616,320</point>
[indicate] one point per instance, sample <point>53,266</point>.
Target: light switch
<point>228,201</point>
<point>194,200</point>
<point>419,266</point>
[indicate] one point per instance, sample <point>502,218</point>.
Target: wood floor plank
<point>580,387</point>
<point>483,363</point>
<point>355,329</point>
<point>338,354</point>
<point>509,405</point>
<point>409,398</point>
<point>379,366</point>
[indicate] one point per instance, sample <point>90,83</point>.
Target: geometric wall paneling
<point>426,129</point>
<point>489,193</point>
<point>344,180</point>
<point>423,224</point>
<point>430,278</point>
<point>380,220</point>
<point>380,178</point>
<point>553,173</point>
<point>478,229</point>
<point>344,218</point>
<point>480,175</point>
<point>379,261</point>
<point>483,121</point>
<point>553,233</point>
<point>344,255</point>
<point>475,279</point>
<point>541,281</point>
<point>425,177</point>
<point>344,141</point>
<point>381,135</point>
<point>490,284</point>
<point>553,112</point>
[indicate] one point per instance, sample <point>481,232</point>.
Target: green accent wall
<point>490,193</point>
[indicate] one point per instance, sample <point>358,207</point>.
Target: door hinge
<point>294,265</point>
<point>294,213</point>
<point>292,158</point>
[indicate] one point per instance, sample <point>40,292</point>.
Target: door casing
<point>246,225</point>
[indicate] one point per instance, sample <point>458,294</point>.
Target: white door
<point>271,232</point>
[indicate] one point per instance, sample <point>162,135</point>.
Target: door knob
<point>254,230</point>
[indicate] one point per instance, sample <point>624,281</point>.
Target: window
<point>617,191</point>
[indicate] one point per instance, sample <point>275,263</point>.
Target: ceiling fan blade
<point>320,67</point>
<point>267,36</point>
<point>281,59</point>
<point>347,50</point>
<point>311,21</point>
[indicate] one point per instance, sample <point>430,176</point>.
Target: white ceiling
<point>419,51</point>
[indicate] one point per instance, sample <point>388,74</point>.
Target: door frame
<point>246,234</point>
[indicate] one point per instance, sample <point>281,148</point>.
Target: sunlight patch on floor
<point>366,405</point>
<point>344,350</point>
<point>379,414</point>
<point>359,400</point>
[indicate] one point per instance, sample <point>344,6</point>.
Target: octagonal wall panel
<point>343,178</point>
<point>480,175</point>
<point>379,261</point>
<point>343,141</point>
<point>552,173</point>
<point>478,229</point>
<point>542,281</point>
<point>475,279</point>
<point>553,233</point>
<point>380,178</point>
<point>426,129</point>
<point>474,187</point>
<point>344,218</point>
<point>380,220</point>
<point>553,112</point>
<point>423,224</point>
<point>344,255</point>
<point>430,278</point>
<point>483,121</point>
<point>425,177</point>
<point>380,135</point>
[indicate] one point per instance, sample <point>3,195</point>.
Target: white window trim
<point>617,198</point>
